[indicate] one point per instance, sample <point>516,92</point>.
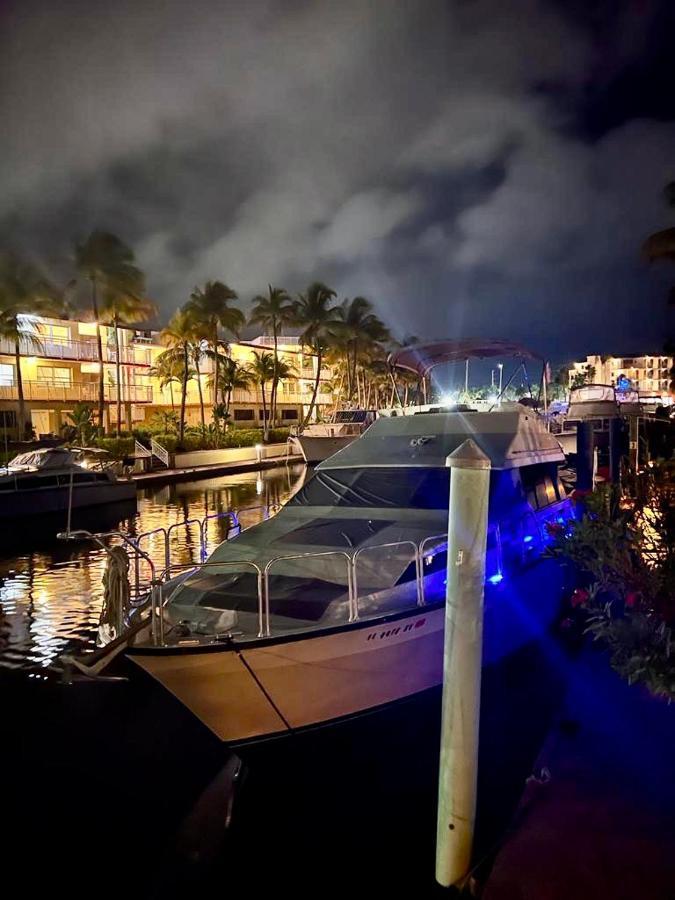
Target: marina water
<point>51,590</point>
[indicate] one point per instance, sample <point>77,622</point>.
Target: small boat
<point>318,442</point>
<point>642,416</point>
<point>50,480</point>
<point>335,607</point>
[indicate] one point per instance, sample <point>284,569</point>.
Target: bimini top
<point>511,437</point>
<point>422,358</point>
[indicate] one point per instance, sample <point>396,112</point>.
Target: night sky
<point>477,167</point>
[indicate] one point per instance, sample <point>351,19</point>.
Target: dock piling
<point>462,660</point>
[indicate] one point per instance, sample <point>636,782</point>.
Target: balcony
<point>295,397</point>
<point>74,393</point>
<point>84,351</point>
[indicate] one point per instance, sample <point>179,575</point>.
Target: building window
<point>244,415</point>
<point>7,418</point>
<point>289,414</point>
<point>60,375</point>
<point>59,334</point>
<point>263,414</point>
<point>6,375</point>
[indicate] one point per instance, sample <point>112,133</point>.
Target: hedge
<point>193,439</point>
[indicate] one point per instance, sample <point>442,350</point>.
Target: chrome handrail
<point>432,537</point>
<point>275,559</point>
<point>224,563</point>
<point>362,550</point>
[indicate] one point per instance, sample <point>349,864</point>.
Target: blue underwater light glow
<point>495,579</point>
<point>527,539</point>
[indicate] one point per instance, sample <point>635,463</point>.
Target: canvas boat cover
<point>389,487</point>
<point>47,458</point>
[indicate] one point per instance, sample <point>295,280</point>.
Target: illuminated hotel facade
<point>649,374</point>
<point>60,367</point>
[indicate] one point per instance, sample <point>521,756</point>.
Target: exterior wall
<point>59,368</point>
<point>647,374</point>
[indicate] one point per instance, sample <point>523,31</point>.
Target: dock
<point>596,818</point>
<point>190,473</point>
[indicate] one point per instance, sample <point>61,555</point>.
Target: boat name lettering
<point>397,629</point>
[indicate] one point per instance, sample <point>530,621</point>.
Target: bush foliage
<point>624,548</point>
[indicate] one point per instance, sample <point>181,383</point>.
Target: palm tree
<point>282,372</point>
<point>82,418</point>
<point>168,369</point>
<point>315,315</point>
<point>273,312</point>
<point>124,308</point>
<point>23,290</point>
<point>210,305</point>
<point>232,377</point>
<point>359,329</point>
<point>108,264</point>
<point>262,371</point>
<point>178,336</point>
<point>197,354</point>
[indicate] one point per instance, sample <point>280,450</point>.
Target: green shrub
<point>117,447</point>
<point>279,435</point>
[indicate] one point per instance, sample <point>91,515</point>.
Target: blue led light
<point>495,579</point>
<point>527,539</point>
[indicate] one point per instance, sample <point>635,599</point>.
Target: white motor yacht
<point>336,606</point>
<point>321,440</point>
<point>47,481</point>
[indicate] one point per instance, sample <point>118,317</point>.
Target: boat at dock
<point>601,404</point>
<point>335,607</point>
<point>321,440</point>
<point>51,480</point>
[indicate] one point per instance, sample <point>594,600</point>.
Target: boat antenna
<point>504,389</point>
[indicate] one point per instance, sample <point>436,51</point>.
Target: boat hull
<point>316,449</point>
<point>275,687</point>
<point>42,501</point>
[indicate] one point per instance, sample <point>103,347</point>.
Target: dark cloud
<point>436,157</point>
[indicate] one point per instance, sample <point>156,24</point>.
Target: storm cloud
<point>433,156</point>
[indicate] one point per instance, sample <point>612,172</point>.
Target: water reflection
<point>50,597</point>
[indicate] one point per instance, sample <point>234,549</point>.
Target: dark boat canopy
<point>422,358</point>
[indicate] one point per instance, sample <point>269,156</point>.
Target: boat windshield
<point>386,486</point>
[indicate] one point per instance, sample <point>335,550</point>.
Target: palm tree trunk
<point>19,387</point>
<point>99,345</point>
<point>315,392</point>
<point>201,396</point>
<point>266,428</point>
<point>118,375</point>
<point>275,380</point>
<point>338,396</point>
<point>186,362</point>
<point>214,341</point>
<point>173,405</point>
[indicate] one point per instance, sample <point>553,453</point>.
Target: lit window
<point>6,375</point>
<point>55,375</point>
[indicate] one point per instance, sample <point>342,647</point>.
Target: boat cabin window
<point>385,486</point>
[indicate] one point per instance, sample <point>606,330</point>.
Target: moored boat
<point>51,480</point>
<point>321,440</point>
<point>336,606</point>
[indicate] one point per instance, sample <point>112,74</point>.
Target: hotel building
<point>60,367</point>
<point>649,374</point>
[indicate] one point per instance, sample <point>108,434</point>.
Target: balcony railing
<point>84,351</point>
<point>297,397</point>
<point>82,392</point>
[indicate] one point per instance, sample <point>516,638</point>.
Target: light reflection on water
<point>50,598</point>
